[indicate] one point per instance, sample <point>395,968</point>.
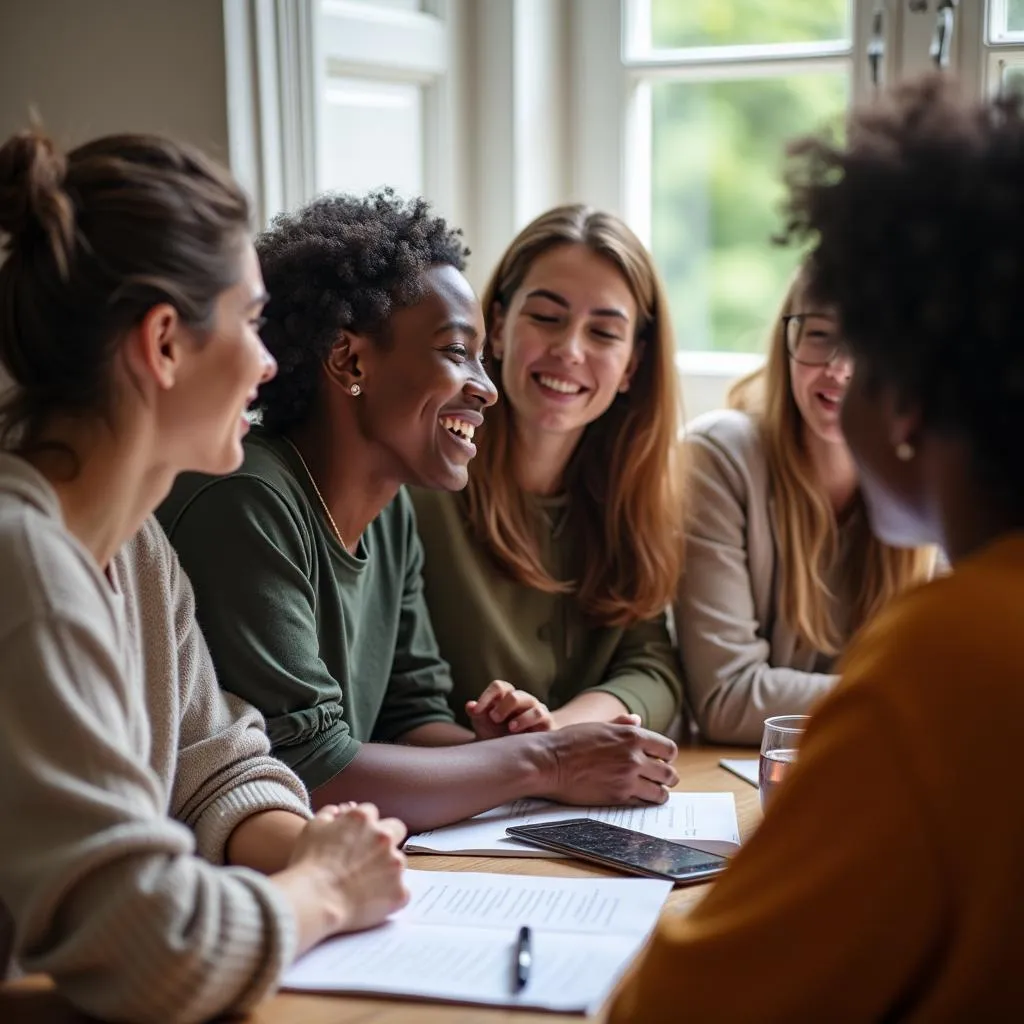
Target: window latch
<point>876,44</point>
<point>945,22</point>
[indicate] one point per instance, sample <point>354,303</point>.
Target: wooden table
<point>33,999</point>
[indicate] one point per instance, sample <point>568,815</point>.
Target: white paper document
<point>686,817</point>
<point>455,941</point>
<point>745,767</point>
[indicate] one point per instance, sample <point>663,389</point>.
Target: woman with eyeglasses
<point>782,566</point>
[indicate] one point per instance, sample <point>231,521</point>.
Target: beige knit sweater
<point>123,771</point>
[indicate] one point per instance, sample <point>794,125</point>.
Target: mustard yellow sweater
<point>885,883</point>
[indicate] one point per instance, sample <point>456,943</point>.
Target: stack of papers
<point>703,820</point>
<point>455,941</point>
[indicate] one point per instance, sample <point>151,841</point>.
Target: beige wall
<point>91,67</point>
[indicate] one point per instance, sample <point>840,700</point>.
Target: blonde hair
<point>807,529</point>
<point>625,478</point>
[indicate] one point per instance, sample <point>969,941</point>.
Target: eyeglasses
<point>813,339</point>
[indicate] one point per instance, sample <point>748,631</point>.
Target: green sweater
<point>489,626</point>
<point>335,649</point>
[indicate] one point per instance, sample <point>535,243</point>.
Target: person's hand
<point>502,710</point>
<point>610,763</point>
<point>352,855</point>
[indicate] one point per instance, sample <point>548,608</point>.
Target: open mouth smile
<point>558,385</point>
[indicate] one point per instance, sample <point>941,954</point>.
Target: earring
<point>623,387</point>
<point>905,451</point>
<point>355,391</point>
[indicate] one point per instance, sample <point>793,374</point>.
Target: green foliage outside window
<point>717,159</point>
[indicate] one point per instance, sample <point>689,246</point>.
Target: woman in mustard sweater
<point>884,883</point>
<point>554,568</point>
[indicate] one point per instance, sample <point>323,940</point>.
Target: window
<point>1004,46</point>
<point>723,84</point>
<point>384,66</point>
<point>708,92</point>
<point>346,95</point>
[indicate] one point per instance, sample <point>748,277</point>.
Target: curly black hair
<point>341,263</point>
<point>918,224</point>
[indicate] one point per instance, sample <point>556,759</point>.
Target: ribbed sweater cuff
<point>281,930</point>
<point>223,816</point>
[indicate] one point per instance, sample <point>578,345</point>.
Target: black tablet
<point>622,849</point>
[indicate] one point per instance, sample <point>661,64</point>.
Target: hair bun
<point>32,196</point>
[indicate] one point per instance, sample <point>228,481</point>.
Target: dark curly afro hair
<point>341,263</point>
<point>918,225</point>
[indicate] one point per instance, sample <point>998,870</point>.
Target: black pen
<point>523,959</point>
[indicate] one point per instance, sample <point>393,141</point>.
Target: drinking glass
<point>778,752</point>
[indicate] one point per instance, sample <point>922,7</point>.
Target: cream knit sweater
<point>123,771</point>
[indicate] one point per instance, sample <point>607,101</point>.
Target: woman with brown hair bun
<point>782,566</point>
<point>555,568</point>
<point>140,810</point>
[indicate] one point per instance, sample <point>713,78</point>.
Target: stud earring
<point>905,451</point>
<point>355,391</point>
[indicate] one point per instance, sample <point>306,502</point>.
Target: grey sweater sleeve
<point>106,892</point>
<point>730,682</point>
<point>225,772</point>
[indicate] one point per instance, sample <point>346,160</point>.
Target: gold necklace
<point>312,480</point>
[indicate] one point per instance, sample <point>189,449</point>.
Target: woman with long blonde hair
<point>782,566</point>
<point>554,568</point>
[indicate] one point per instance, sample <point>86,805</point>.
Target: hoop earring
<point>355,391</point>
<point>905,451</point>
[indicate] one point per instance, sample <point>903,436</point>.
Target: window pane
<point>717,157</point>
<point>1005,20</point>
<point>1012,78</point>
<point>372,135</point>
<point>1015,15</point>
<point>681,23</point>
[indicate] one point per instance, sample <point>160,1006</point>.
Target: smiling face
<point>424,388</point>
<point>818,390</point>
<point>219,375</point>
<point>566,340</point>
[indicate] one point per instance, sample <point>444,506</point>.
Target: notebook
<point>455,941</point>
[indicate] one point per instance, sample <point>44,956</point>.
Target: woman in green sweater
<point>554,568</point>
<point>306,561</point>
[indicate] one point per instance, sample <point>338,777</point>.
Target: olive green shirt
<point>490,626</point>
<point>334,648</point>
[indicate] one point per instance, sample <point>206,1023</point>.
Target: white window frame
<point>991,55</point>
<point>611,75</point>
<point>388,43</point>
<point>280,56</point>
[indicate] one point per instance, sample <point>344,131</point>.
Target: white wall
<point>91,67</point>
